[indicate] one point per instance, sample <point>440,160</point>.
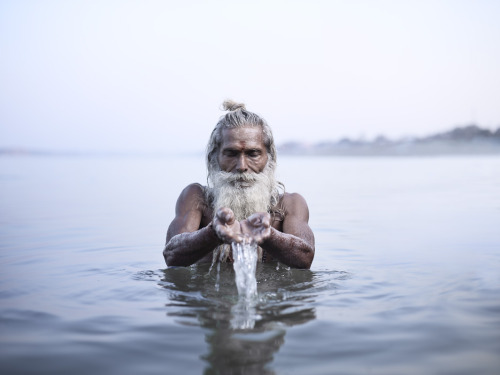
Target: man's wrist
<point>270,237</point>
<point>213,232</point>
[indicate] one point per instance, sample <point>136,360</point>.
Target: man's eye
<point>254,153</point>
<point>230,153</point>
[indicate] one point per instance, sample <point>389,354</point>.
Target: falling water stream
<point>245,262</point>
<point>245,257</point>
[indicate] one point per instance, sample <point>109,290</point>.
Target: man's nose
<point>242,165</point>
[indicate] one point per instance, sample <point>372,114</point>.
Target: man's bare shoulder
<point>292,199</point>
<point>194,189</point>
<point>295,204</point>
<point>192,195</point>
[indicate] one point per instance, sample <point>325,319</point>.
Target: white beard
<point>244,193</point>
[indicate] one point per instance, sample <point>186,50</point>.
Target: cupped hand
<point>257,228</point>
<point>226,226</point>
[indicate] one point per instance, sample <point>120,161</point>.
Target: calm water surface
<point>406,278</point>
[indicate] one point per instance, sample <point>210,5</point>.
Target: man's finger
<point>266,220</point>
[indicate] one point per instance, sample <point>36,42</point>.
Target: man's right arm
<point>186,243</point>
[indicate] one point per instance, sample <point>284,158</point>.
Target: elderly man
<point>242,201</point>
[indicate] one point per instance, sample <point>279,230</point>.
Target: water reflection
<point>242,338</point>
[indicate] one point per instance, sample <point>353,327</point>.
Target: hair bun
<point>230,105</point>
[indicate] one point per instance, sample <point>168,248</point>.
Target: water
<point>405,278</point>
<point>245,262</point>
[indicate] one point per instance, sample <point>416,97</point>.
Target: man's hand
<point>226,226</point>
<point>257,228</point>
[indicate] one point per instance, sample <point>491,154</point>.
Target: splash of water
<point>214,260</point>
<point>245,255</point>
<point>244,314</point>
<point>245,262</point>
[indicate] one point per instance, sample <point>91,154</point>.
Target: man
<point>241,202</point>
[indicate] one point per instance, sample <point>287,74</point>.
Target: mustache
<point>230,177</point>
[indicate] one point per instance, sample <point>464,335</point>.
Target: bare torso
<point>197,231</point>
<point>208,215</point>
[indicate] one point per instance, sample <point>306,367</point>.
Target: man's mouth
<point>242,183</point>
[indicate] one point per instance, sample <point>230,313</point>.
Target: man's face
<point>242,150</point>
<point>245,182</point>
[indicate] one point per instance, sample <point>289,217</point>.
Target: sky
<point>150,76</point>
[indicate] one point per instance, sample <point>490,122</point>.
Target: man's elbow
<point>169,257</point>
<point>307,259</point>
<point>305,265</point>
<point>166,256</point>
<point>304,261</point>
<point>301,264</point>
<point>172,258</point>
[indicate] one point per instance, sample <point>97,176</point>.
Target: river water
<point>406,277</point>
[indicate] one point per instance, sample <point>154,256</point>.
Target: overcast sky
<point>151,75</point>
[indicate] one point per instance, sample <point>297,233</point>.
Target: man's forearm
<point>187,248</point>
<point>289,249</point>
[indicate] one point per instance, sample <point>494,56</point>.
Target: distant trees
<point>470,139</point>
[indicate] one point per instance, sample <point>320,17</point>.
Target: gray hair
<point>237,117</point>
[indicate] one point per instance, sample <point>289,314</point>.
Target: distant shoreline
<point>467,140</point>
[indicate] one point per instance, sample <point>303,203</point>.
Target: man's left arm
<point>295,245</point>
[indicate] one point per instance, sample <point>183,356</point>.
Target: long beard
<point>245,194</point>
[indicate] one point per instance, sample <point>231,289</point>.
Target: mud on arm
<point>295,245</point>
<point>186,243</point>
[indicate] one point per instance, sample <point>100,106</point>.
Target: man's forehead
<point>247,136</point>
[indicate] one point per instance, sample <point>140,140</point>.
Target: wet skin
<point>196,231</point>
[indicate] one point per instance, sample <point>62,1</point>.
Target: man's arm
<point>186,243</point>
<point>295,245</point>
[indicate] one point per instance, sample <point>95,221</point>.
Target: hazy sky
<point>151,75</point>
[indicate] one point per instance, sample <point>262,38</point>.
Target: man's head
<point>241,161</point>
<point>238,117</point>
